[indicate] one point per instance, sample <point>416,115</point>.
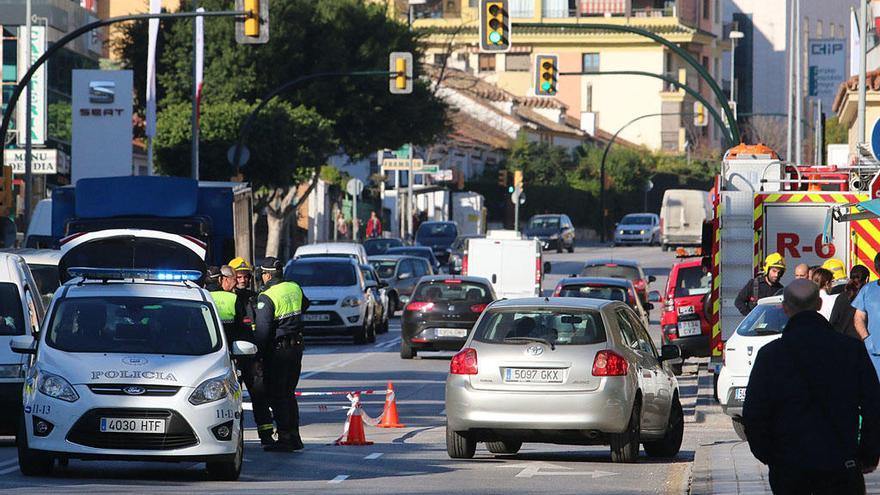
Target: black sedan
<point>419,252</point>
<point>442,312</point>
<point>553,231</point>
<point>380,245</point>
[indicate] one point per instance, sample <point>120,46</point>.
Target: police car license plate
<point>688,328</point>
<point>452,332</point>
<point>532,375</point>
<point>132,425</point>
<point>739,394</point>
<point>308,317</point>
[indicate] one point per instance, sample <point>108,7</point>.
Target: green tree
<point>541,163</point>
<point>835,132</point>
<point>59,120</point>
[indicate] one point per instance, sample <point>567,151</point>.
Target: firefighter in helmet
<point>766,284</point>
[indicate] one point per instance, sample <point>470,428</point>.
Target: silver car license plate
<point>308,317</point>
<point>532,375</point>
<point>132,425</point>
<point>739,394</point>
<point>689,328</point>
<point>452,332</point>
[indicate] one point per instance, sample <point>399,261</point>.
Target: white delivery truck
<point>514,266</point>
<point>681,217</point>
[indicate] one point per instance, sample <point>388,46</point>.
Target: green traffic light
<point>495,37</point>
<point>510,189</point>
<point>546,86</point>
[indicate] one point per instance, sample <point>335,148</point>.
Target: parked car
<point>380,245</point>
<point>553,231</point>
<point>44,268</point>
<point>620,268</point>
<point>608,289</point>
<point>341,302</point>
<point>458,252</point>
<point>402,274</point>
<point>442,312</point>
<point>763,325</point>
<point>381,307</point>
<point>565,371</point>
<point>682,214</point>
<point>21,313</point>
<point>419,252</point>
<point>684,321</point>
<point>438,236</point>
<point>638,228</point>
<point>332,250</point>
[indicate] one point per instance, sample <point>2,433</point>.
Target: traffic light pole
<point>76,33</point>
<point>731,138</point>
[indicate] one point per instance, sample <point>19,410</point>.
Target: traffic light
<point>494,26</point>
<point>700,119</point>
<point>545,75</point>
<point>7,200</point>
<point>517,179</point>
<point>400,64</point>
<point>253,29</point>
<point>502,178</point>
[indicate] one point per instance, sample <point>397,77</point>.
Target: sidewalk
<point>723,464</point>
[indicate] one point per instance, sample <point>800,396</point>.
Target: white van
<point>21,313</point>
<point>514,266</point>
<point>681,217</point>
<point>39,231</point>
<point>333,250</point>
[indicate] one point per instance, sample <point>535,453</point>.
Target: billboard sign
<point>43,161</point>
<point>101,144</point>
<point>827,68</point>
<point>32,50</point>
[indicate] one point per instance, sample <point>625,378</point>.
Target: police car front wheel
<point>31,462</point>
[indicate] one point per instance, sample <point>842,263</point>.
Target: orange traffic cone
<point>355,430</point>
<point>389,415</point>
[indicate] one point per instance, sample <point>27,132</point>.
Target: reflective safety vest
<point>287,298</point>
<point>225,302</point>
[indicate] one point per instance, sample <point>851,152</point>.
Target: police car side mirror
<point>243,348</point>
<point>23,344</point>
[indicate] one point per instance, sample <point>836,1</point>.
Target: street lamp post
<point>734,35</point>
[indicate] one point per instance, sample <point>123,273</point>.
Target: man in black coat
<point>805,394</point>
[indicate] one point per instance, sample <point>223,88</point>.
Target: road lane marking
<point>8,461</point>
<point>534,469</point>
<point>9,470</point>
<point>374,455</point>
<point>335,364</point>
<point>339,479</point>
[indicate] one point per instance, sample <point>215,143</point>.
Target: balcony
<point>562,9</point>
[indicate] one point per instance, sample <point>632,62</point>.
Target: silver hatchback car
<point>566,371</point>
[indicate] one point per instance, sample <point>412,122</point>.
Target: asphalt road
<point>403,460</point>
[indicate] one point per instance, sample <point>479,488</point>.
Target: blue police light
<point>90,273</point>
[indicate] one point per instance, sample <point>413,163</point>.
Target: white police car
<point>131,362</point>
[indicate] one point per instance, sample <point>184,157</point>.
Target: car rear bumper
<point>606,409</point>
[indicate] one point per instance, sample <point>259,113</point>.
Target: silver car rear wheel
<point>459,445</point>
<point>625,445</point>
<point>504,447</point>
<point>670,444</point>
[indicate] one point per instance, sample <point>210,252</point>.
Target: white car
<point>764,324</point>
<point>132,362</point>
<point>333,250</point>
<point>340,301</point>
<point>44,267</point>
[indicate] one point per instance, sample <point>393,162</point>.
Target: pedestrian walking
<point>341,226</point>
<point>822,278</point>
<point>842,314</point>
<point>801,420</point>
<point>766,284</point>
<point>802,271</point>
<point>374,226</point>
<point>279,337</point>
<point>867,317</point>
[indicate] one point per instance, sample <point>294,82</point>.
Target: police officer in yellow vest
<point>231,308</point>
<point>279,338</point>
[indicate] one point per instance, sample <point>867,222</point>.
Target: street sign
<point>354,187</point>
<point>43,161</point>
<point>403,151</point>
<point>429,169</point>
<point>402,164</point>
<point>875,139</point>
<point>242,158</point>
<point>649,185</point>
<point>443,175</point>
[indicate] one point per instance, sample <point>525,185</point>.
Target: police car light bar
<point>134,273</point>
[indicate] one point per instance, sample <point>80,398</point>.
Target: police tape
<point>322,394</point>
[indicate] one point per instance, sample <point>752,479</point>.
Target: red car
<point>684,321</point>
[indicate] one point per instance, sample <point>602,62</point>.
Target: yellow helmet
<point>836,268</point>
<point>241,265</point>
<point>775,260</point>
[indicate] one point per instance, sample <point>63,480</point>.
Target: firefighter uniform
<point>278,335</point>
<point>761,286</point>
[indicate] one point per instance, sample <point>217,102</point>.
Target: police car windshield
<point>133,325</point>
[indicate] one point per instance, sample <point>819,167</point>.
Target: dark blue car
<point>438,236</point>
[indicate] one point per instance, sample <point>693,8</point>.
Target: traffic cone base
<point>389,415</point>
<point>355,434</point>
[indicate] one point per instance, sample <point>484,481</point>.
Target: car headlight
<point>56,387</point>
<point>351,302</point>
<point>620,232</point>
<point>214,389</point>
<point>11,371</point>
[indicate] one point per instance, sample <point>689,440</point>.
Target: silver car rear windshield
<point>133,325</point>
<point>558,327</point>
<point>765,319</point>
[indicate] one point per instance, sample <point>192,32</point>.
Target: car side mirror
<point>548,267</point>
<point>241,348</point>
<point>654,296</point>
<point>23,344</point>
<point>404,276</point>
<point>651,279</point>
<point>650,307</point>
<point>669,352</point>
<point>370,284</point>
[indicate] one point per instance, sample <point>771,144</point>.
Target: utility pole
<point>194,118</point>
<point>28,121</point>
<point>817,128</point>
<point>863,63</point>
<point>789,107</point>
<point>799,93</point>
